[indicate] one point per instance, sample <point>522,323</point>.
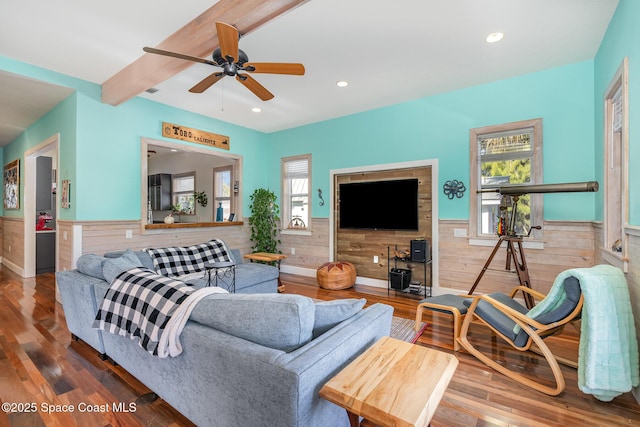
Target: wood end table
<point>393,383</point>
<point>268,257</point>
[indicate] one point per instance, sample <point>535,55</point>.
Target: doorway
<point>48,148</point>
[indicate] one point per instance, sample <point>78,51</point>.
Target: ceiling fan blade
<point>275,68</point>
<point>178,55</point>
<point>207,82</point>
<point>255,87</point>
<point>228,38</point>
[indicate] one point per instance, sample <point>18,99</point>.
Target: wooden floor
<point>42,369</point>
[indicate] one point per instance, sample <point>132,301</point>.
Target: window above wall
<point>505,155</point>
<point>615,247</point>
<point>296,193</point>
<point>183,186</point>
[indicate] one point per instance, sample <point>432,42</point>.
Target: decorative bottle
<point>219,212</point>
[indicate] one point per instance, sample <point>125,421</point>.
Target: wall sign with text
<point>170,130</point>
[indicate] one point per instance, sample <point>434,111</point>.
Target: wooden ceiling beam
<point>197,38</point>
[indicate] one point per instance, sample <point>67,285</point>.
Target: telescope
<point>572,187</point>
<point>515,249</point>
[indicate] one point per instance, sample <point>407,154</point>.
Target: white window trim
<point>231,197</point>
<point>537,217</point>
<point>285,199</point>
<point>619,81</point>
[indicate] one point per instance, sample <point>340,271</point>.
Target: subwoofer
<point>419,250</point>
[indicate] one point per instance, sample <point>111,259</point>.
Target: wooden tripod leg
<point>521,269</point>
<point>486,265</point>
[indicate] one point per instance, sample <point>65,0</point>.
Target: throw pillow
<point>113,267</point>
<point>177,261</point>
<point>91,265</point>
<point>330,313</point>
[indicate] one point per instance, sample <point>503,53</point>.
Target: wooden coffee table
<point>393,383</point>
<point>268,257</point>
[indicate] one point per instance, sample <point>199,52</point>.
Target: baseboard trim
<point>13,267</point>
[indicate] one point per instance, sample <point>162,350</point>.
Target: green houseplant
<point>264,221</point>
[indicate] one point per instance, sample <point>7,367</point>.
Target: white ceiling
<point>389,52</point>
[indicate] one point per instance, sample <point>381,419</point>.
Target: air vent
<point>152,90</point>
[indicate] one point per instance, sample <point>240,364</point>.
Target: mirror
<point>189,184</point>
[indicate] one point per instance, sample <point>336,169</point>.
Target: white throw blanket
<point>169,344</point>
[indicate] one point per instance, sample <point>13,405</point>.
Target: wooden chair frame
<point>535,337</point>
<point>444,309</point>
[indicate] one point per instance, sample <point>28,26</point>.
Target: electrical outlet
<point>128,234</point>
<point>375,259</point>
<point>9,248</point>
<point>293,251</point>
<point>64,235</point>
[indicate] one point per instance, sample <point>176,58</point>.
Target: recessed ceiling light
<point>173,150</point>
<point>256,109</point>
<point>494,37</point>
<point>342,83</point>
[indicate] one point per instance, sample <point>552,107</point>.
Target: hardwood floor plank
<point>39,362</point>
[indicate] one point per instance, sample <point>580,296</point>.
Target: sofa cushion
<point>280,321</point>
<point>329,313</point>
<point>143,256</point>
<point>91,265</point>
<point>114,266</point>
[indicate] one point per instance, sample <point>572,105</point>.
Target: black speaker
<point>419,250</point>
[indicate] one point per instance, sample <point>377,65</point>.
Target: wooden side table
<point>393,383</point>
<point>268,257</point>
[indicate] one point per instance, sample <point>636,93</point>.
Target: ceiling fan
<point>233,60</point>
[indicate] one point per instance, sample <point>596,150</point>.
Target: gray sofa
<point>248,359</point>
<point>81,303</point>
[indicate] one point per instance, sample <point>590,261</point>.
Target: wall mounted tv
<point>379,205</point>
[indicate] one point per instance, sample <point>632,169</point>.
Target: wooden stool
<point>447,303</point>
<point>336,275</point>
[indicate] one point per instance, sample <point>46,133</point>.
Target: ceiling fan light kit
<point>233,60</point>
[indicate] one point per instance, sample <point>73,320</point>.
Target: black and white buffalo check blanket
<point>178,261</point>
<point>150,308</point>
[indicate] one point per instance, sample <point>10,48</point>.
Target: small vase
<point>169,219</point>
<point>219,213</point>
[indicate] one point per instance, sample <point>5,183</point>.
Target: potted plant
<point>264,221</point>
<point>201,198</point>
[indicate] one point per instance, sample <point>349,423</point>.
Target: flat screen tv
<point>379,205</point>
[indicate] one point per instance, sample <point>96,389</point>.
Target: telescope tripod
<point>515,253</point>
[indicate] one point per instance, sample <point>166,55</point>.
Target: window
<point>296,196</point>
<point>504,156</point>
<point>615,168</point>
<point>183,186</point>
<point>222,194</point>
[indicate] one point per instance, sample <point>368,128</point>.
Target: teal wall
<point>622,39</point>
<point>437,127</point>
<point>100,149</point>
<point>61,119</point>
<point>100,146</point>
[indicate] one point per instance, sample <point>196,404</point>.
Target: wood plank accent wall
<point>311,250</point>
<point>13,241</point>
<point>65,246</point>
<point>100,237</point>
<point>360,246</point>
<point>1,236</point>
<point>567,244</point>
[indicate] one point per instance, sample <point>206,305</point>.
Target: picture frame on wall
<point>65,201</point>
<point>12,185</point>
